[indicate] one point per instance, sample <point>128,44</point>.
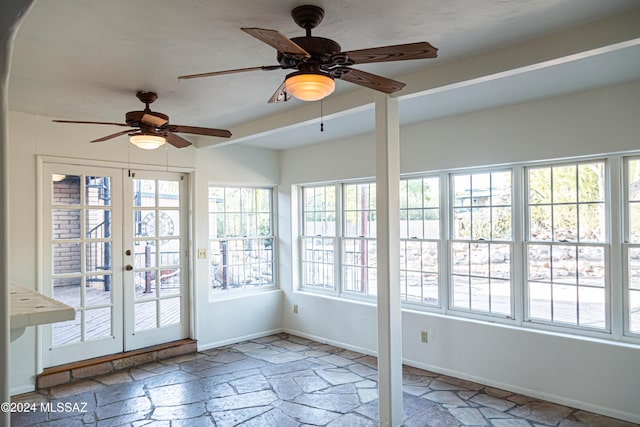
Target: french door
<point>114,247</point>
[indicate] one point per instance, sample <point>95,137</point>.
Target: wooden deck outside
<point>97,313</point>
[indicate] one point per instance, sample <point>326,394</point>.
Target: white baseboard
<point>634,418</point>
<point>627,416</point>
<point>235,340</point>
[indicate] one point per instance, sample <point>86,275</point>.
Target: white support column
<point>388,243</point>
<point>11,13</point>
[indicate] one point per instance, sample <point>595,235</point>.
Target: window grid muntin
<point>576,242</point>
<point>457,205</point>
<point>252,253</point>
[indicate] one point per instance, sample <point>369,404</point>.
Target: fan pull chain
<point>129,158</point>
<point>321,117</point>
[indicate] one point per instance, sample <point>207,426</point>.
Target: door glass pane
<point>97,257</point>
<point>145,284</point>
<point>144,193</point>
<point>169,281</point>
<point>145,315</point>
<point>98,323</point>
<point>168,223</point>
<point>98,290</point>
<point>144,253</point>
<point>66,189</point>
<point>169,193</point>
<point>67,332</point>
<point>170,252</point>
<point>66,258</point>
<point>97,191</point>
<point>68,291</point>
<point>97,223</point>
<point>65,224</point>
<point>169,311</point>
<point>144,223</point>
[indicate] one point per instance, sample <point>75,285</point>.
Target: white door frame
<point>42,160</point>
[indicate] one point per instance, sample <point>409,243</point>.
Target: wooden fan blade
<point>152,120</point>
<point>399,52</point>
<point>279,41</point>
<point>105,138</point>
<point>237,70</point>
<point>177,141</point>
<point>372,81</point>
<point>91,123</point>
<point>222,133</point>
<point>280,95</point>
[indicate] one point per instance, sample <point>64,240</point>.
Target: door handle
<point>129,267</point>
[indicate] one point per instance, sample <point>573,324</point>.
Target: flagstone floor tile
<point>283,381</point>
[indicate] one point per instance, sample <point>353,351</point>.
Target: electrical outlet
<point>295,308</point>
<point>424,336</point>
<point>202,254</point>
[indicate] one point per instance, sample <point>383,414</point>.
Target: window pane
<point>97,223</point>
<point>66,191</point>
<point>241,240</point>
<point>567,281</point>
<point>318,262</point>
<point>634,222</point>
<point>169,193</point>
<point>540,301</point>
<point>539,185</point>
<point>100,321</point>
<point>97,191</point>
<point>66,258</point>
<point>144,194</point>
<point>360,214</point>
<point>65,224</point>
<point>564,184</point>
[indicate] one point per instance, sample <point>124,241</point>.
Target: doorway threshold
<point>85,369</point>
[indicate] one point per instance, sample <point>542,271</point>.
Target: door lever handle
<point>129,267</point>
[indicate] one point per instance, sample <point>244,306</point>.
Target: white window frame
<point>222,293</point>
<point>470,312</point>
<point>616,280</point>
<point>335,289</point>
<point>606,245</point>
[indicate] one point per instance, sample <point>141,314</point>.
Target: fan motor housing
<point>321,50</point>
<point>134,118</point>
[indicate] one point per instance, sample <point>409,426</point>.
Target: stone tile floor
<point>283,381</point>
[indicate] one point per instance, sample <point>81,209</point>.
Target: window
<point>632,245</point>
<point>420,236</point>
<point>359,239</point>
<point>545,245</point>
<point>481,244</point>
<point>318,237</point>
<point>567,244</point>
<point>241,238</point>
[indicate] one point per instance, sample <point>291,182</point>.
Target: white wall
<point>30,136</point>
<point>586,373</point>
<point>233,317</point>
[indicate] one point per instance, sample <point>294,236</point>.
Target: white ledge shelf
<point>30,308</point>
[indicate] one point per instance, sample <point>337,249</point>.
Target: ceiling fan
<point>152,129</point>
<point>320,60</point>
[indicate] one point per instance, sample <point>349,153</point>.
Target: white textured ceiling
<point>85,59</point>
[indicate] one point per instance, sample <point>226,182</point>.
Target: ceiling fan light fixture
<point>147,142</point>
<point>309,86</point>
